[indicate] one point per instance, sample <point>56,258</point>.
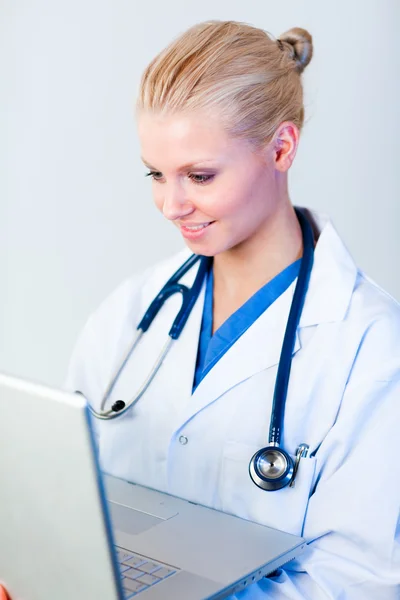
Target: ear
<point>284,146</point>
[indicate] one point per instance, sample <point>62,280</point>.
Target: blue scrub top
<point>213,347</point>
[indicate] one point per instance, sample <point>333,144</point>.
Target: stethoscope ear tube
<point>171,287</point>
<point>191,297</point>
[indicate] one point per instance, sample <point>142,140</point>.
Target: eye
<point>200,178</point>
<point>156,175</point>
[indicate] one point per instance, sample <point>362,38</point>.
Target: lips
<point>196,227</point>
<point>194,231</point>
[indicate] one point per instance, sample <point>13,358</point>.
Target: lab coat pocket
<point>283,509</point>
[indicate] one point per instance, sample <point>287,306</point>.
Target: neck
<point>241,271</point>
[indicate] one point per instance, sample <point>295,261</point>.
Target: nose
<point>174,202</point>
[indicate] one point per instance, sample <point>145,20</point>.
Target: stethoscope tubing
<point>189,297</point>
<point>285,360</point>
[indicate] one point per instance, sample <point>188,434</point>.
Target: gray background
<point>76,214</point>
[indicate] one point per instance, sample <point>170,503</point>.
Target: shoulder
<point>374,316</point>
<point>363,319</point>
<point>369,295</point>
<point>344,294</point>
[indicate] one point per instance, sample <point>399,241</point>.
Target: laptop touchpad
<point>129,520</point>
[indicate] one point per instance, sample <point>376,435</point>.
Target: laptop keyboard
<point>138,573</point>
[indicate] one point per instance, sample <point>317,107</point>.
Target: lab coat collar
<point>331,284</point>
<point>333,276</point>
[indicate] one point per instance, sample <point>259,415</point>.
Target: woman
<point>219,117</point>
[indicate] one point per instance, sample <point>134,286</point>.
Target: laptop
<point>69,532</point>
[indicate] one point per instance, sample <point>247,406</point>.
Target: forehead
<point>182,138</point>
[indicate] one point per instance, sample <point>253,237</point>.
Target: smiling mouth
<point>196,227</point>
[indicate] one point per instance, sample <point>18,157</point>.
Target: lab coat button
<point>183,440</point>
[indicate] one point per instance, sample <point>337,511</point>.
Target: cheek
<point>231,199</point>
<point>221,197</point>
<point>249,198</point>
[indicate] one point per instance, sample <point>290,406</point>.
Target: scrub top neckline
<point>212,347</point>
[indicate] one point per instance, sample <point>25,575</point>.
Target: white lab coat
<point>343,400</point>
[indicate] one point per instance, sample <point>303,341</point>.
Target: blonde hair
<point>250,78</point>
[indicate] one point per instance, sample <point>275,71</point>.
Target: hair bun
<point>299,43</point>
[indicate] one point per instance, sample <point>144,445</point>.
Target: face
<point>214,188</point>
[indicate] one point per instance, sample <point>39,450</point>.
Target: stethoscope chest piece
<point>271,468</point>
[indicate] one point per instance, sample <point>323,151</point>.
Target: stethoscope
<point>271,468</point>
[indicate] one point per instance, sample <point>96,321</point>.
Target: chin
<point>202,248</point>
<point>208,249</point>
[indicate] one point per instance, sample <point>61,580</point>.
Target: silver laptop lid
<point>43,505</point>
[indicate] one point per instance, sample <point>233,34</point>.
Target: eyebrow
<point>184,167</point>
